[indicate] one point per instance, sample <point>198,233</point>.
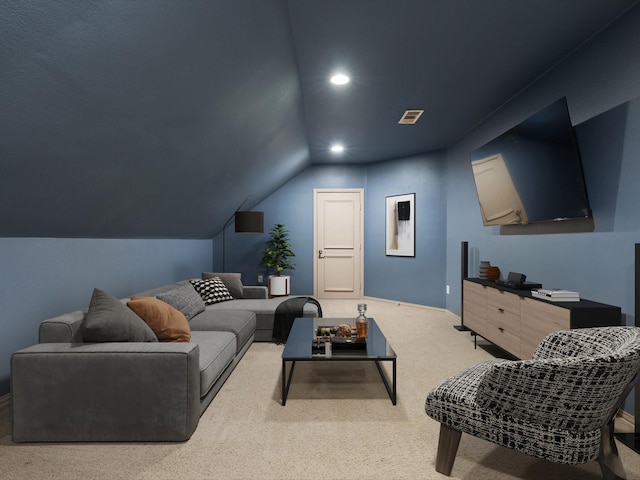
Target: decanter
<point>361,322</point>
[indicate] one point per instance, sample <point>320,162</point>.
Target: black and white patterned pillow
<point>212,290</point>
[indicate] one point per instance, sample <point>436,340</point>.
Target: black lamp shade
<point>249,222</point>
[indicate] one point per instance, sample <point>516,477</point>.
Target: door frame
<point>316,191</point>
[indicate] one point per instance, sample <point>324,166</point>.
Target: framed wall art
<point>400,227</point>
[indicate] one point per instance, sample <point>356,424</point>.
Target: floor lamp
<point>246,222</point>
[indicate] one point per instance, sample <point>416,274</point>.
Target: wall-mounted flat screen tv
<point>533,172</point>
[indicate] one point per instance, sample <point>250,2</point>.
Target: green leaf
<point>278,250</point>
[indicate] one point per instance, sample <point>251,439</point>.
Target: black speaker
<point>632,440</point>
<point>636,446</point>
<point>637,315</point>
<point>464,273</point>
<point>464,260</point>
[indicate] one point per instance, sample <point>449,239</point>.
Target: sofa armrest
<point>105,392</point>
<point>65,328</point>
<point>255,292</point>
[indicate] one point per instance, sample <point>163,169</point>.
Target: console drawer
<point>506,301</point>
<point>475,307</point>
<point>503,329</point>
<point>539,319</point>
<point>517,322</point>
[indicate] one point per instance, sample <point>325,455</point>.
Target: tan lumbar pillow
<point>169,324</point>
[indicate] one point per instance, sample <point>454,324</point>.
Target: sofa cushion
<point>233,281</point>
<point>241,323</point>
<point>212,290</point>
<point>110,320</point>
<point>217,350</point>
<point>185,299</point>
<point>264,309</point>
<point>169,324</point>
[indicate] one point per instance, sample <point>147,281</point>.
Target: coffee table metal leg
<point>286,382</point>
<point>394,381</point>
<point>391,390</point>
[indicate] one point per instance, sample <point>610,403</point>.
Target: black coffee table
<point>299,348</point>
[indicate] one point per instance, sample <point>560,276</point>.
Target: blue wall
<point>415,280</point>
<point>43,277</point>
<point>602,75</point>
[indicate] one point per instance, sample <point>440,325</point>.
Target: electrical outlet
<point>260,278</point>
<point>448,290</point>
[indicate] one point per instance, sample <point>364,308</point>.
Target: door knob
<point>320,254</point>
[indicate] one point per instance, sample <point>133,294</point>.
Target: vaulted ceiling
<point>157,118</point>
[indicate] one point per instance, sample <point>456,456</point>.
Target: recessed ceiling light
<point>340,79</point>
<point>337,148</point>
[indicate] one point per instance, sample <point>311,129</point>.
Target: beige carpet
<point>338,422</point>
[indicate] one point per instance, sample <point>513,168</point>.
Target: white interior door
<point>338,265</point>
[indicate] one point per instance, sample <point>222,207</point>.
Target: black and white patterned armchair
<point>559,406</point>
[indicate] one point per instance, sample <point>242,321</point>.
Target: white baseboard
<point>414,305</point>
<point>5,415</point>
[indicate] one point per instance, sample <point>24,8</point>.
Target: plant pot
<point>278,285</point>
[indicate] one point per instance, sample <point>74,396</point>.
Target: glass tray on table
<point>341,338</point>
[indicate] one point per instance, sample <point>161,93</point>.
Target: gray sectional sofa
<point>67,389</point>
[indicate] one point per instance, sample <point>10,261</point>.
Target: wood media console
<point>517,322</point>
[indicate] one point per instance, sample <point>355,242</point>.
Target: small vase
<point>482,270</point>
<point>493,273</point>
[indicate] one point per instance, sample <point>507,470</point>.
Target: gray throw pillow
<point>185,299</point>
<point>110,320</point>
<point>232,281</point>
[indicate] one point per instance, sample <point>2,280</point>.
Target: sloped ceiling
<point>155,119</point>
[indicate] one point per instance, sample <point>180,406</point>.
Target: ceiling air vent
<point>410,117</point>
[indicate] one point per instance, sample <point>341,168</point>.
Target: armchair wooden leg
<point>447,449</point>
<point>609,459</point>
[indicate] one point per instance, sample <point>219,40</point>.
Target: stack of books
<point>556,295</point>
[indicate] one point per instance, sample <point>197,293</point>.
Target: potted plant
<point>276,258</point>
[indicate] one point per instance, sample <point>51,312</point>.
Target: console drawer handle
<point>501,310</point>
<point>501,329</point>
